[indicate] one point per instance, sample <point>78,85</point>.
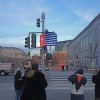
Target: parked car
<point>46,68</point>
<point>5,68</point>
<point>40,68</point>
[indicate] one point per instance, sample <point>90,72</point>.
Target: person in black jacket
<point>96,81</point>
<point>35,84</point>
<point>18,84</point>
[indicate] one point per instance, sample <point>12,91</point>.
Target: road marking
<point>69,84</point>
<point>61,82</point>
<point>64,78</point>
<point>67,88</point>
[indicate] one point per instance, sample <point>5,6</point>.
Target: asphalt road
<point>54,91</point>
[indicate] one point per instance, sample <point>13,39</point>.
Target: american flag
<point>50,39</point>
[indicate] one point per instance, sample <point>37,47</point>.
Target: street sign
<point>42,40</point>
<point>50,39</point>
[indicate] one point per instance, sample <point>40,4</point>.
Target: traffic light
<point>48,56</point>
<point>27,42</point>
<point>29,53</point>
<point>44,48</point>
<point>38,22</point>
<point>46,31</point>
<point>33,40</point>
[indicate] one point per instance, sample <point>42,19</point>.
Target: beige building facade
<point>13,55</point>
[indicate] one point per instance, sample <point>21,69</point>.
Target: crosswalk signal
<point>33,40</point>
<point>27,42</point>
<point>38,22</point>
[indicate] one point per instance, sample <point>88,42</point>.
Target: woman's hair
<point>26,71</point>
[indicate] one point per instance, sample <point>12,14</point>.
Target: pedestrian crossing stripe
<point>68,88</point>
<point>63,83</point>
<point>66,78</point>
<point>54,79</point>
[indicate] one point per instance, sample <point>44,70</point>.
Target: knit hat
<point>80,71</point>
<point>34,66</point>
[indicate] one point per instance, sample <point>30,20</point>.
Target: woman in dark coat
<point>35,84</point>
<point>96,81</point>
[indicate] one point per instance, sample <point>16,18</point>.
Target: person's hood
<point>30,73</point>
<point>18,69</point>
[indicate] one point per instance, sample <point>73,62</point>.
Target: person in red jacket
<point>96,81</point>
<point>78,81</point>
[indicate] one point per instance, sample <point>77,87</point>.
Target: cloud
<point>26,22</point>
<point>87,14</point>
<point>11,35</point>
<point>18,17</point>
<point>84,8</point>
<point>69,37</point>
<point>68,30</point>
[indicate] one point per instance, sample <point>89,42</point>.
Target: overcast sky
<point>66,17</point>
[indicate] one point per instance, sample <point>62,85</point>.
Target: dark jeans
<point>18,94</point>
<point>77,96</point>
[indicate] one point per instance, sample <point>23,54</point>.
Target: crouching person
<point>78,82</point>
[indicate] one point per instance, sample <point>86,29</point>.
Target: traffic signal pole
<point>43,30</point>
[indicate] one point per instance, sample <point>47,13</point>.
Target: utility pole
<point>43,30</point>
<point>43,18</point>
